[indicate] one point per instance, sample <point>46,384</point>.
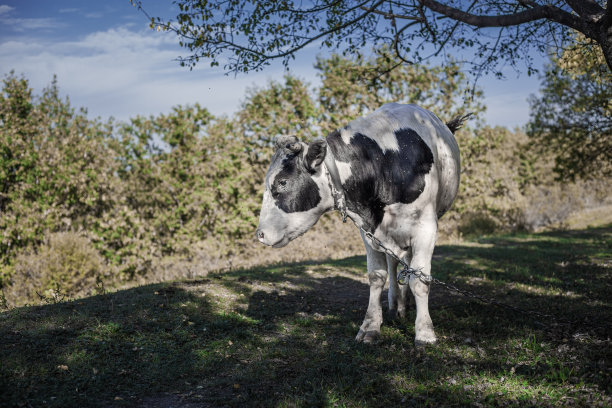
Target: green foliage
<point>351,87</point>
<point>201,185</point>
<point>65,264</point>
<point>278,109</point>
<point>281,108</point>
<point>572,119</point>
<point>156,193</point>
<point>58,167</point>
<point>506,185</point>
<point>248,35</point>
<point>135,200</point>
<point>493,173</point>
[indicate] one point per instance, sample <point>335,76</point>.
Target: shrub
<point>551,205</point>
<point>57,169</point>
<point>507,186</point>
<point>477,223</point>
<point>65,264</point>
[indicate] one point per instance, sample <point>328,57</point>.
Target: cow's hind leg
<point>398,295</point>
<point>422,249</point>
<point>377,275</point>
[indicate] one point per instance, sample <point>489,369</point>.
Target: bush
<point>495,168</point>
<point>145,211</point>
<point>506,186</point>
<point>480,223</point>
<point>66,264</point>
<point>58,169</point>
<point>551,205</point>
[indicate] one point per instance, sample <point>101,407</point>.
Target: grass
<point>283,336</point>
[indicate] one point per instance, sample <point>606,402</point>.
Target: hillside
<point>283,336</point>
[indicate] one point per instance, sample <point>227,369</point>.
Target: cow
<point>398,170</point>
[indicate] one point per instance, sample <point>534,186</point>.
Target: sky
<point>109,61</point>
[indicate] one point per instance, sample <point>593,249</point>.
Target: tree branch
<point>506,20</point>
<point>390,16</point>
<point>310,40</point>
<point>587,9</point>
<point>223,43</point>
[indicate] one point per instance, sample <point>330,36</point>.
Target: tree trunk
<point>606,35</point>
<point>607,52</point>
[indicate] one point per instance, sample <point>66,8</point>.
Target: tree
<point>201,185</point>
<point>248,34</point>
<point>288,107</point>
<point>351,87</point>
<point>57,167</point>
<point>572,119</point>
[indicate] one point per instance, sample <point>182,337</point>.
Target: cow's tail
<point>458,121</point>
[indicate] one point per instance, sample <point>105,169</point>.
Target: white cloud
<point>94,15</point>
<point>4,9</point>
<point>122,73</point>
<point>26,24</point>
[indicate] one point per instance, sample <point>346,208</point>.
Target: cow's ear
<point>315,154</point>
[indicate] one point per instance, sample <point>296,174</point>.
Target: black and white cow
<point>399,170</point>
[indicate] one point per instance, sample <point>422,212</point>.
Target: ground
<point>283,336</point>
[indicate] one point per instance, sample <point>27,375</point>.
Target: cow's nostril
<point>260,234</point>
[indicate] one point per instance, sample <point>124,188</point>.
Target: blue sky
<point>108,60</point>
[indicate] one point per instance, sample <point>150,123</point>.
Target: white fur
<point>378,126</point>
<point>344,170</point>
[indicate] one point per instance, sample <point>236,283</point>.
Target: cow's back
<point>395,155</point>
<point>439,137</point>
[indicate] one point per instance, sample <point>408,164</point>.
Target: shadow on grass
<point>283,336</point>
<point>563,273</point>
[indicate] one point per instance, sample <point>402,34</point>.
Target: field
<point>283,336</point>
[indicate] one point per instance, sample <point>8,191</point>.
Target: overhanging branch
<point>506,20</point>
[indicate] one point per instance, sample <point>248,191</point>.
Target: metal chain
<point>404,276</point>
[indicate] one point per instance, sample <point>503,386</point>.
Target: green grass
<point>283,336</point>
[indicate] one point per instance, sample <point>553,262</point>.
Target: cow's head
<point>297,191</point>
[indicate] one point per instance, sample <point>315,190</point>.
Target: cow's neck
<point>364,211</point>
<point>335,184</point>
<point>342,202</point>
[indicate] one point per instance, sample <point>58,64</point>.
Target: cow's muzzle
<point>270,239</point>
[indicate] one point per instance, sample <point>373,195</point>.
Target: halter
<point>335,184</point>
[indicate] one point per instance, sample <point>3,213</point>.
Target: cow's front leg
<point>422,250</point>
<point>377,275</point>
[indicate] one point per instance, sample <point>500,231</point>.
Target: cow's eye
<point>283,182</point>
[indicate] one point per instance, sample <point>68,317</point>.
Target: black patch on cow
<point>293,188</point>
<point>382,178</point>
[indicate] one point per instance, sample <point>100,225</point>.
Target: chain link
<point>406,273</point>
<point>404,276</point>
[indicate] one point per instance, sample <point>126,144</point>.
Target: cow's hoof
<point>422,340</point>
<point>367,337</point>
